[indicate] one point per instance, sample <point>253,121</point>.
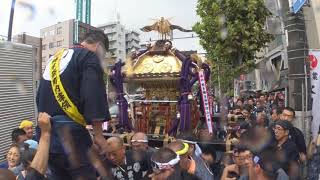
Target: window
<point>44,47</point>
<point>44,34</point>
<point>59,30</point>
<point>51,45</point>
<point>51,33</point>
<point>59,43</point>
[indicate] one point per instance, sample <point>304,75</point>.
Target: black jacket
<point>297,137</point>
<point>288,154</point>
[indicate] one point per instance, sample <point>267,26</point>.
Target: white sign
<point>205,98</point>
<point>314,57</point>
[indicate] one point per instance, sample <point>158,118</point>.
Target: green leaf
<point>232,53</point>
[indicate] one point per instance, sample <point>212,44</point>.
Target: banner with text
<point>314,57</point>
<point>205,98</point>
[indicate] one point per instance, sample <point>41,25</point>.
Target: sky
<point>134,14</point>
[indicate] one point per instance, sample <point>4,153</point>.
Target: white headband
<point>171,163</point>
<point>189,142</point>
<point>142,141</point>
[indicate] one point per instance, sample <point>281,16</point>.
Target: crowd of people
<point>265,145</point>
<point>260,140</point>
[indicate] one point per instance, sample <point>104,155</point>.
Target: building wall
<point>17,97</point>
<point>35,42</point>
<point>55,37</point>
<point>121,41</point>
<point>312,22</point>
<point>272,58</point>
<point>132,41</point>
<point>61,35</point>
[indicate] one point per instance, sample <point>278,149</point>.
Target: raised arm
<point>40,160</point>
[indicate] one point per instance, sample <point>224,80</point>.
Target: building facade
<point>271,65</point>
<point>61,35</point>
<point>18,92</point>
<point>271,72</point>
<point>312,21</point>
<point>121,41</point>
<point>35,42</point>
<point>284,64</point>
<point>132,41</point>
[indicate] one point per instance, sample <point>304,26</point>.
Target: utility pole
<point>13,3</point>
<point>299,95</point>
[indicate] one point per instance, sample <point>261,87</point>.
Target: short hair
<point>187,136</point>
<point>278,110</point>
<point>290,109</point>
<point>240,148</point>
<point>239,100</point>
<point>96,36</point>
<point>16,133</point>
<point>247,107</point>
<point>263,114</point>
<point>209,149</point>
<point>268,162</point>
<point>115,139</point>
<point>237,107</point>
<point>164,155</point>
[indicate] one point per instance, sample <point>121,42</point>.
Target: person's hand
<point>303,157</point>
<point>44,122</point>
<point>228,169</point>
<point>232,168</point>
<point>101,142</point>
<point>311,147</point>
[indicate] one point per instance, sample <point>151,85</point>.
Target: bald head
<point>163,155</point>
<point>115,150</point>
<point>139,136</point>
<point>176,146</point>
<point>115,142</point>
<point>6,174</point>
<point>139,142</point>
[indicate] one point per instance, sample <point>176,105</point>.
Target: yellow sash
<point>59,92</point>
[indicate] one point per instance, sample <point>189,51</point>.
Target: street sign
<point>297,5</point>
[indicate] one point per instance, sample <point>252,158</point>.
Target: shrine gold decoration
<point>159,64</point>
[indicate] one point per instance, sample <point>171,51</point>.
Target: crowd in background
<point>264,144</point>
